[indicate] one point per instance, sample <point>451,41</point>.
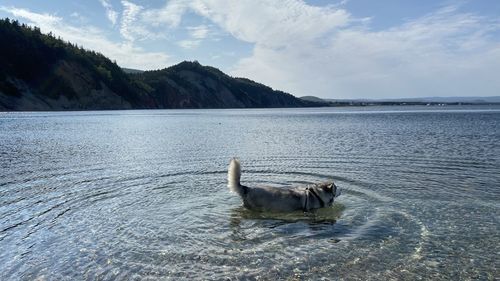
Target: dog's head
<point>328,192</point>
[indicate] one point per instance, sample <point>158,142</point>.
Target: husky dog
<point>279,199</point>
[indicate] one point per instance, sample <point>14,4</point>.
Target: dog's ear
<point>332,186</point>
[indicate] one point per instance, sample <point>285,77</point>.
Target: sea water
<point>119,195</point>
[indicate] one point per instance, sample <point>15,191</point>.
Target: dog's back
<point>272,198</point>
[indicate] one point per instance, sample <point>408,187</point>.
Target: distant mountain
<point>402,101</point>
<point>41,72</point>
<point>131,70</point>
<point>312,98</point>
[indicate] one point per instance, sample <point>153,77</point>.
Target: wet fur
<point>279,199</point>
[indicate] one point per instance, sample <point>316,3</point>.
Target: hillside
<point>41,72</point>
<point>191,85</point>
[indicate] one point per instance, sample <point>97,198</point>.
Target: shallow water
<point>142,194</point>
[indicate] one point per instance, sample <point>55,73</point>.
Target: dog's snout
<point>338,191</point>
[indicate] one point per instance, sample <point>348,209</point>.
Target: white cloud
<point>45,19</point>
<point>198,32</point>
<point>128,28</point>
<point>110,12</point>
<point>126,54</point>
<point>445,53</point>
<point>78,18</point>
<point>170,15</point>
<point>189,44</point>
<point>133,27</point>
<point>272,23</point>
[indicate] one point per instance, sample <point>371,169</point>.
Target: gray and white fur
<point>279,199</point>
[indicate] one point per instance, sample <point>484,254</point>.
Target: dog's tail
<point>233,176</point>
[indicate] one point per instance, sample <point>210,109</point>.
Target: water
<point>120,195</point>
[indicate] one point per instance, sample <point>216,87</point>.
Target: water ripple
<point>138,195</point>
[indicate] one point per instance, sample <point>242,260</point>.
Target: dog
<point>276,199</point>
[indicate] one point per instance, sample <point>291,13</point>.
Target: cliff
<point>41,72</point>
<point>191,85</point>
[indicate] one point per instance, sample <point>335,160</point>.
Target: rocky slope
<point>41,72</point>
<point>191,85</point>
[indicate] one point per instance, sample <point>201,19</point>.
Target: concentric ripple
<point>142,194</point>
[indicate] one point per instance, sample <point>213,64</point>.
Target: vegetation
<point>38,59</point>
<point>189,84</point>
<point>60,75</point>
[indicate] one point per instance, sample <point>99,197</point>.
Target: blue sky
<point>330,49</point>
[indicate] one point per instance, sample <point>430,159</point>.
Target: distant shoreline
<point>362,105</point>
<point>424,101</point>
<point>340,104</point>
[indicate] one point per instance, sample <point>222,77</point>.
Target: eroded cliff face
<point>41,72</point>
<point>70,86</point>
<point>192,85</point>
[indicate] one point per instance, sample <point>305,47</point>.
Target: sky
<point>330,49</point>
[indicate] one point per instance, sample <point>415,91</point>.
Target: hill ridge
<point>41,72</point>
